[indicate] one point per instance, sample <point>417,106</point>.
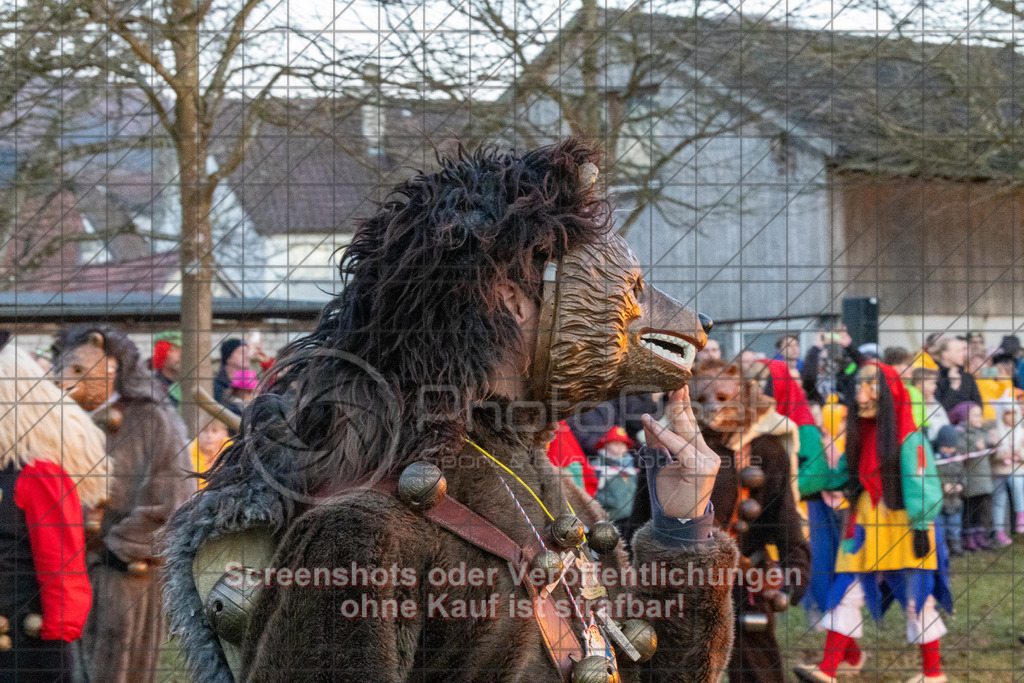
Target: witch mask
<point>867,391</point>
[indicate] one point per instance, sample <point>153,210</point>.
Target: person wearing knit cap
<point>167,363</point>
<point>951,472</point>
<point>1011,346</point>
<point>616,475</point>
<point>891,548</point>
<point>232,359</point>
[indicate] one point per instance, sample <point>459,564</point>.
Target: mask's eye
<point>638,289</point>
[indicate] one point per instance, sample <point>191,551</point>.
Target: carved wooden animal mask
<point>604,333</point>
<point>86,372</point>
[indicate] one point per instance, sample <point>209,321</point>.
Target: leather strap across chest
<point>560,640</point>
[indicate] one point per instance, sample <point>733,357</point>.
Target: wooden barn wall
<point>931,247</point>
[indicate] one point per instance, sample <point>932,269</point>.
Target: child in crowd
<point>951,471</point>
<point>929,414</point>
<point>212,439</point>
<point>616,475</point>
<point>1008,472</point>
<point>975,442</point>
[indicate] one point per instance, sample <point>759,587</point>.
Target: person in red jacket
<point>52,462</point>
<point>565,453</point>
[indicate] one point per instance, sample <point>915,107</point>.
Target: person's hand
<point>832,454</point>
<point>677,412</point>
<point>257,353</point>
<point>819,340</point>
<point>843,335</point>
<point>684,485</point>
<point>834,499</point>
<point>947,488</point>
<point>922,546</point>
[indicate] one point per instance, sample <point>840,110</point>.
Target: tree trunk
<point>196,303</point>
<point>590,113</point>
<point>197,262</point>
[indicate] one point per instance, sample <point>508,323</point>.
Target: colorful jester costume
<point>889,550</point>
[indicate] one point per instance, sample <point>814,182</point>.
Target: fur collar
<point>769,424</point>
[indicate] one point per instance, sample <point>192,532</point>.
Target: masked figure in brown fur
<point>99,368</point>
<point>407,434</point>
<point>753,497</point>
<point>52,464</point>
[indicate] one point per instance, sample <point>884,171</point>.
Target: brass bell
<point>642,636</point>
<point>32,625</point>
<point>780,603</point>
<point>603,537</point>
<point>740,527</point>
<point>549,562</point>
<point>752,477</point>
<point>5,643</point>
<point>421,486</point>
<point>5,625</point>
<point>594,669</point>
<point>228,606</point>
<point>750,509</point>
<point>139,568</point>
<point>567,530</point>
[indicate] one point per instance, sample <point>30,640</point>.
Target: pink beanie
<point>244,379</point>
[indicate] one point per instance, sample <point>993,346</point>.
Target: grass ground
<point>981,645</point>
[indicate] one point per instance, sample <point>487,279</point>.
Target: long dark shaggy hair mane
<point>387,376</point>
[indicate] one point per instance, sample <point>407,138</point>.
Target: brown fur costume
<point>396,373</point>
<point>149,459</point>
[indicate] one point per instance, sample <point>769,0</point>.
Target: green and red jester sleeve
<point>47,496</point>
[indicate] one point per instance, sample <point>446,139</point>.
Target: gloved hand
<point>921,544</point>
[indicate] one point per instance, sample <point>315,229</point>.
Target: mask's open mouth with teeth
<point>670,347</point>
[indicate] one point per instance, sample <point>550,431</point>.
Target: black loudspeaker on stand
<point>860,315</point>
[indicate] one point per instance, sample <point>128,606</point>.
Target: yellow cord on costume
<point>525,486</point>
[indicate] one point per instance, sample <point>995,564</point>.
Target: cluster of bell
<point>777,599</point>
<point>597,669</point>
<point>568,531</point>
<point>422,485</point>
<point>32,625</point>
<point>751,478</point>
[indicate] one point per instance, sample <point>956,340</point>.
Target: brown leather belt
<point>560,640</point>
